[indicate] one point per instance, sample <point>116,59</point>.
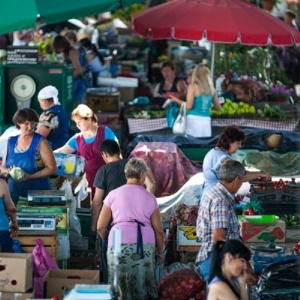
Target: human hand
<point>13,229</point>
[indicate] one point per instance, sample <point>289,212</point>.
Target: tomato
<point>54,298</point>
<point>298,243</point>
<point>296,248</point>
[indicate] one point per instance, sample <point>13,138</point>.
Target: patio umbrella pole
<point>212,63</point>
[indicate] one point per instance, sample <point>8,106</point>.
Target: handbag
<point>180,122</point>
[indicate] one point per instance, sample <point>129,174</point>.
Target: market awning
<point>18,15</point>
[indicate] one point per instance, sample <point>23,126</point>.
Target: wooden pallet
<point>27,240</point>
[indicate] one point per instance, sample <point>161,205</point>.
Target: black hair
<point>229,135</point>
<point>111,147</point>
<point>86,43</point>
<point>237,249</point>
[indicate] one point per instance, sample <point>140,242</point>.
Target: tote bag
<point>180,122</point>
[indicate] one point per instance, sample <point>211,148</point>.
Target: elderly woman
<point>87,142</point>
<point>54,122</point>
<point>31,152</point>
<point>135,212</point>
<point>229,271</point>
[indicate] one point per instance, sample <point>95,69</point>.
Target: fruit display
<point>272,111</point>
<point>297,248</point>
<point>230,108</point>
<point>17,173</point>
<point>291,221</point>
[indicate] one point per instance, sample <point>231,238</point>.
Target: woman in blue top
<point>53,122</point>
<point>8,221</point>
<point>201,96</point>
<point>31,152</point>
<point>229,273</point>
<point>87,142</point>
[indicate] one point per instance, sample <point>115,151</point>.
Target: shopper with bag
<point>201,96</point>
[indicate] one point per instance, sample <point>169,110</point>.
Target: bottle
<point>219,81</point>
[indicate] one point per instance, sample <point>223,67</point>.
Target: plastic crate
<point>279,208</point>
<point>85,219</point>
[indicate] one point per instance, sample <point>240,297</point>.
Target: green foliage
<point>126,13</point>
<point>257,62</point>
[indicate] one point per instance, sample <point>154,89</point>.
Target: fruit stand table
<point>256,123</point>
<point>136,125</point>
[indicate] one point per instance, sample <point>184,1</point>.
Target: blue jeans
<point>6,242</point>
<point>205,265</point>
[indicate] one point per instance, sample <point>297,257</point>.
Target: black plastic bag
<point>280,280</point>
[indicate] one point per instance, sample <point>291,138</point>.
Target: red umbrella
<point>220,21</point>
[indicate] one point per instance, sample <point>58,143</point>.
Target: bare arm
<point>253,175</point>
<point>103,221</point>
<point>48,160</point>
<point>150,182</point>
<point>190,97</point>
<point>218,235</point>
<point>65,150</point>
<point>43,130</point>
<point>176,100</point>
<point>73,56</point>
<point>3,169</point>
<point>10,209</point>
<point>159,232</point>
<point>96,207</point>
<point>216,103</point>
<point>181,88</point>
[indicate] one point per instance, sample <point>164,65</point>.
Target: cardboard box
<point>262,233</point>
<point>84,259</point>
<point>56,282</point>
<point>187,239</point>
<point>15,272</point>
<point>15,296</point>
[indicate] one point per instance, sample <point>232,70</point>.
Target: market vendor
<point>228,143</point>
<point>170,84</point>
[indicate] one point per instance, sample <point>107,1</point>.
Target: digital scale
<point>47,197</point>
<point>36,221</point>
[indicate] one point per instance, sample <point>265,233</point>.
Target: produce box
<point>187,239</point>
<point>27,241</point>
<point>15,272</point>
<point>57,282</point>
<point>262,233</point>
<point>84,259</point>
<point>15,296</point>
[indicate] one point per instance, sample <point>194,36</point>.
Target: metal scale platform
<point>47,197</point>
<point>265,255</point>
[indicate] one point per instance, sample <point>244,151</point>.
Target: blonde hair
<point>84,112</point>
<point>201,78</point>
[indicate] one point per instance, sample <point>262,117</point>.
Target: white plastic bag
<point>76,239</point>
<point>180,122</point>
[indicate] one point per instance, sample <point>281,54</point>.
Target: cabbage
<point>17,173</point>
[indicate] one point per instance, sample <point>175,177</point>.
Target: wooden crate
<point>27,241</point>
<point>103,102</point>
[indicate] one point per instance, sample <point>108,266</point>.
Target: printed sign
<point>22,55</point>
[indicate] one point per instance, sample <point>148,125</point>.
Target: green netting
<point>275,164</point>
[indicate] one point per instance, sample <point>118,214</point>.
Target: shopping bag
<point>180,122</point>
<point>42,262</point>
<point>171,114</point>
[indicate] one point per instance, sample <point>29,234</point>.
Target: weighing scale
<point>47,197</point>
<point>23,88</point>
<point>37,221</point>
